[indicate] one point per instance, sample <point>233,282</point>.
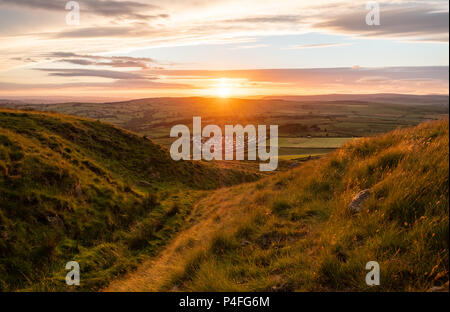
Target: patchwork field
<point>306,127</point>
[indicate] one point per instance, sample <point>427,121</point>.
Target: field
<point>306,128</point>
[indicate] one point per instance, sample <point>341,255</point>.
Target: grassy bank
<point>295,232</point>
<point>79,189</point>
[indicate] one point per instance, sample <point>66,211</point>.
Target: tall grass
<point>294,232</point>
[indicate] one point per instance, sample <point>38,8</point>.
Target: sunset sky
<point>134,49</point>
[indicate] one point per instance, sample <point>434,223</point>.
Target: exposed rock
<point>438,289</point>
<point>280,284</point>
<point>145,183</point>
<point>55,220</point>
<point>4,235</point>
<point>77,190</point>
<point>358,200</point>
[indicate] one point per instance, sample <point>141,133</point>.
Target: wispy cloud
<point>250,46</point>
<point>316,46</point>
<point>405,22</point>
<point>102,86</point>
<point>96,60</point>
<point>65,72</point>
<point>108,8</point>
<point>421,20</point>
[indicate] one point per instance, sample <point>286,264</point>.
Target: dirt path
<point>208,216</point>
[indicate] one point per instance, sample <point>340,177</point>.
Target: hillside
<point>79,189</point>
<point>295,232</point>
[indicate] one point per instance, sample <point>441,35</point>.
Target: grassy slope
<point>293,231</point>
<point>78,189</point>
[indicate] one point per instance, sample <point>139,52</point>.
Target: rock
<point>358,200</point>
<point>438,289</point>
<point>4,235</point>
<point>55,221</point>
<point>77,190</point>
<point>145,183</point>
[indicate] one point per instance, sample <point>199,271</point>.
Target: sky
<point>238,48</point>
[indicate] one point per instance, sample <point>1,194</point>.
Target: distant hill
<point>374,98</point>
<point>75,188</point>
<point>296,231</point>
<point>306,116</point>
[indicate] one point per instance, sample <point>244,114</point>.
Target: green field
<point>305,128</point>
<point>312,142</point>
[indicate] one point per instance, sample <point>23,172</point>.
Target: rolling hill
<point>335,117</point>
<point>78,189</point>
<point>295,231</point>
<point>74,188</point>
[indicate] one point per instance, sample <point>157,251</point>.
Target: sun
<point>223,89</point>
<point>223,92</point>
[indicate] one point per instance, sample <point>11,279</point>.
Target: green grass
<point>78,189</point>
<point>289,151</point>
<point>312,142</point>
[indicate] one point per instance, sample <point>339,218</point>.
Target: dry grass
<point>293,231</point>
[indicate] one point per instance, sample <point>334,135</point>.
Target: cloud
<point>114,85</point>
<point>99,32</point>
<point>96,60</point>
<point>374,79</point>
<point>267,19</point>
<point>24,59</point>
<point>198,21</point>
<point>108,8</point>
<point>320,77</point>
<point>316,46</point>
<point>404,22</point>
<point>413,80</point>
<point>32,29</point>
<point>251,46</point>
<point>91,73</point>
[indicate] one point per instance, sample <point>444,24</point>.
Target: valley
<point>76,186</point>
<point>307,126</point>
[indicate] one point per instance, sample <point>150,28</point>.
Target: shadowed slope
<point>78,189</point>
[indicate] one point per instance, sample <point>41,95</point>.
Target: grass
<point>77,189</point>
<point>313,142</point>
<point>294,232</point>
